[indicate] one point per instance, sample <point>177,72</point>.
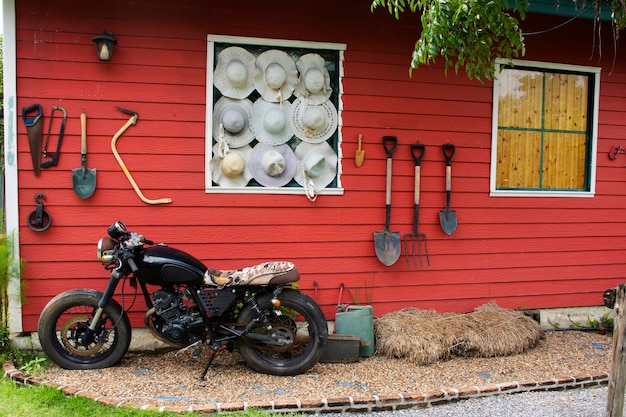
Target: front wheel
<point>68,341</point>
<point>300,320</point>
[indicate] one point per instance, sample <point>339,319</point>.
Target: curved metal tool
<point>39,219</point>
<point>129,123</point>
<point>54,155</point>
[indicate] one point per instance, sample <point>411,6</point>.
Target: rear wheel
<point>300,320</point>
<point>68,341</point>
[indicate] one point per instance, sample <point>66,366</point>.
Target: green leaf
<point>466,33</point>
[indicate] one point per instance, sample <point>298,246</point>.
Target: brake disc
<point>70,342</point>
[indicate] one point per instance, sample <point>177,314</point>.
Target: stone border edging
<point>387,402</point>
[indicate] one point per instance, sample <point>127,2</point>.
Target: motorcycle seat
<point>266,273</point>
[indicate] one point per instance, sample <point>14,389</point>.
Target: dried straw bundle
<point>423,336</point>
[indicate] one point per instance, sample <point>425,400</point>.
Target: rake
<point>416,238</point>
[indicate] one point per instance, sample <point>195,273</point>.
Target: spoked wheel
<point>299,322</point>
<point>68,341</point>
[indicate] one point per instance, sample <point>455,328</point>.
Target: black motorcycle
<point>256,310</point>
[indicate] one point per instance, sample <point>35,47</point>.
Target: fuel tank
<point>162,265</point>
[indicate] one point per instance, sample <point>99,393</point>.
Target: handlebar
<point>132,264</point>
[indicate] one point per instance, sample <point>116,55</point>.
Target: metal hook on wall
<point>615,150</point>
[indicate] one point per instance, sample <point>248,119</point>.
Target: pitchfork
<point>417,150</point>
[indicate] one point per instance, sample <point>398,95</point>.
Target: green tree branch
<point>472,34</point>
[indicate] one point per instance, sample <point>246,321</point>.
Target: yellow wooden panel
<point>519,101</point>
<point>518,159</point>
<point>564,156</point>
<point>566,102</point>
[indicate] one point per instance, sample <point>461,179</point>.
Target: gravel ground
<point>172,380</point>
<point>589,402</point>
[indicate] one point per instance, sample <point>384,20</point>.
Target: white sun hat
<point>270,122</point>
<point>316,162</point>
<point>233,169</point>
<point>276,76</point>
<point>272,166</point>
<point>234,117</point>
<point>234,73</point>
<point>314,81</point>
<point>313,123</point>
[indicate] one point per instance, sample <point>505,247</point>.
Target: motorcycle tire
<point>67,341</point>
<point>302,319</point>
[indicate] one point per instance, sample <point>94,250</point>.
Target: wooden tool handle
<point>388,183</point>
<point>83,133</point>
<point>416,193</point>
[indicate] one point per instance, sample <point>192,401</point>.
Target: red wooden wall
<point>520,252</point>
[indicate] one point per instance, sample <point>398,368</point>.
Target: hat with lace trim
<point>232,169</point>
<point>316,162</point>
<point>276,76</point>
<point>314,81</point>
<point>270,122</point>
<point>313,123</point>
<point>272,166</point>
<point>234,73</point>
<point>234,117</point>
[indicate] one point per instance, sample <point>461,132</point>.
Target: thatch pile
<point>424,336</point>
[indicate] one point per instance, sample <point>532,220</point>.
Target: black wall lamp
<point>104,45</point>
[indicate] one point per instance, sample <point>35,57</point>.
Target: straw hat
<point>233,169</point>
<point>317,162</point>
<point>270,122</point>
<point>314,82</point>
<point>276,76</point>
<point>313,124</point>
<point>234,116</point>
<point>272,166</point>
<point>234,72</point>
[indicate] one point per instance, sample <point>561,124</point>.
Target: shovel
<point>387,243</point>
<point>359,156</point>
<point>447,217</point>
<point>84,179</point>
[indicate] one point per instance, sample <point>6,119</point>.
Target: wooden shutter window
<point>542,130</point>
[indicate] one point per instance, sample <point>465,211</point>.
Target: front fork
<point>109,291</point>
<point>104,300</point>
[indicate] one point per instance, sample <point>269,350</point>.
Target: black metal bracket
<point>39,219</point>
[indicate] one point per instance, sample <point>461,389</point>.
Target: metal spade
<point>447,217</point>
<point>84,179</point>
<point>387,243</point>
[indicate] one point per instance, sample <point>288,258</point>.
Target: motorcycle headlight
<point>117,230</point>
<point>105,249</point>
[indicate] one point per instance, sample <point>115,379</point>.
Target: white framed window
<point>544,132</point>
<point>273,119</point>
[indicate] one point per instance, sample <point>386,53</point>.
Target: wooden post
<point>617,377</point>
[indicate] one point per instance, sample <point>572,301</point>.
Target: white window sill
<point>521,193</point>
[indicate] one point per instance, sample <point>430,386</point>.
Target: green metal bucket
<point>358,320</point>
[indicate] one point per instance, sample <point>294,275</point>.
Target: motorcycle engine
<point>177,322</point>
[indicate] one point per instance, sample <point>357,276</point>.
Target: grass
<point>24,400</point>
<point>37,401</point>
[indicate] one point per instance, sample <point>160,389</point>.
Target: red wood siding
<point>520,252</point>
